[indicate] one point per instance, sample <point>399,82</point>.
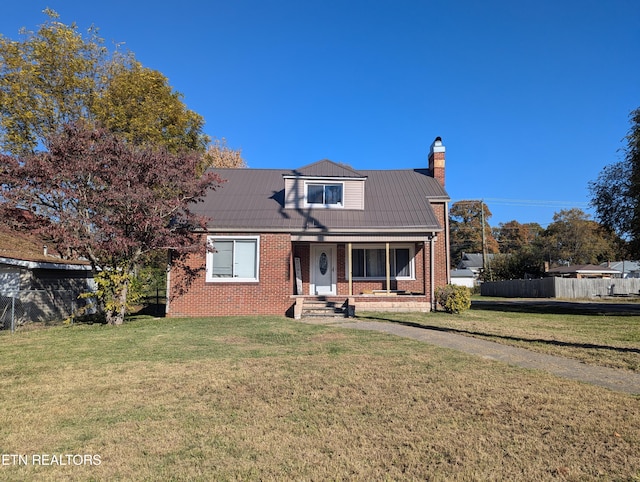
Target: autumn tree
<point>574,238</point>
<point>98,196</point>
<point>468,219</point>
<point>520,256</point>
<point>219,154</point>
<point>57,75</point>
<point>46,80</point>
<point>513,236</point>
<point>139,104</point>
<point>616,192</point>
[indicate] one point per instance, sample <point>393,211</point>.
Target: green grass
<point>270,398</point>
<point>598,339</point>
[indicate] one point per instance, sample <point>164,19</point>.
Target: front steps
<point>320,307</point>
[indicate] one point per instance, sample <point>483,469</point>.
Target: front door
<point>323,270</point>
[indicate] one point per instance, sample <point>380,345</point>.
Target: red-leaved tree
<point>97,196</point>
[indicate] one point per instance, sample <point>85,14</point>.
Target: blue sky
<point>531,98</point>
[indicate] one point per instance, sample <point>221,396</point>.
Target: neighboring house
<point>283,239</point>
<point>470,263</point>
<point>473,262</point>
<point>464,277</point>
<point>627,269</point>
<point>35,285</point>
<point>581,271</point>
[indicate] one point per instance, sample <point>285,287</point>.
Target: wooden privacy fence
<point>561,288</point>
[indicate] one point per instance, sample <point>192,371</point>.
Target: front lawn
<point>605,339</point>
<point>271,398</point>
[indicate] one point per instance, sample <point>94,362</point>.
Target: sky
<point>531,97</point>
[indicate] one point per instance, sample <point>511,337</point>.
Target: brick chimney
<point>436,160</point>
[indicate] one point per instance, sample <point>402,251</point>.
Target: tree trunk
<point>116,315</point>
<point>122,304</point>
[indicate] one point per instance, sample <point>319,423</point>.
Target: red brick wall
<point>436,164</point>
<point>441,246</point>
<point>269,296</point>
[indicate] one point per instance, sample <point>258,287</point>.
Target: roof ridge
<point>340,166</point>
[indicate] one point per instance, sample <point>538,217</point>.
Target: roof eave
<point>318,231</point>
<point>44,265</point>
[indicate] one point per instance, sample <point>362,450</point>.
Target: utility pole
<point>484,244</point>
<point>486,266</point>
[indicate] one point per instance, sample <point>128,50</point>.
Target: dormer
<point>324,185</point>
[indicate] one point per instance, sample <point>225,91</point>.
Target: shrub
<point>453,298</point>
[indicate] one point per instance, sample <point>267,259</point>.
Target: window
<point>328,195</point>
<point>233,259</point>
<point>370,262</point>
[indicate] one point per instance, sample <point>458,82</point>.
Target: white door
<point>323,270</point>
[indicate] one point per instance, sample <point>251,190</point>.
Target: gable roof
<point>396,201</point>
<point>473,260</point>
<point>623,266</point>
<point>326,168</point>
<point>462,273</point>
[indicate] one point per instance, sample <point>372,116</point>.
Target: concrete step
<point>322,308</point>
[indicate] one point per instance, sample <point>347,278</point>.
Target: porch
<point>306,306</point>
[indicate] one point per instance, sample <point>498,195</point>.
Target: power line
<point>536,202</point>
<point>527,202</point>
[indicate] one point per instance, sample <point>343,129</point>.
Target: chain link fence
<point>30,306</point>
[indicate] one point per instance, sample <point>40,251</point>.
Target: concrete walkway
<point>618,380</point>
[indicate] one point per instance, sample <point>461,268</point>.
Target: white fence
<point>562,288</point>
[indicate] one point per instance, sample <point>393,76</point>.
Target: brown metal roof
<point>326,168</point>
<point>396,201</point>
<point>582,268</point>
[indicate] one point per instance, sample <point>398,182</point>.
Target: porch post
<point>388,266</point>
<point>350,267</point>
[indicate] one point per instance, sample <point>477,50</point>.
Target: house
<point>627,269</point>
<point>581,271</point>
<point>469,269</point>
<point>473,262</point>
<point>464,277</point>
<point>35,285</point>
<point>283,240</point>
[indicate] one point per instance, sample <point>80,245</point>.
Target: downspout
<point>432,261</point>
<point>350,267</point>
<point>424,268</point>
<point>447,243</point>
<point>166,305</point>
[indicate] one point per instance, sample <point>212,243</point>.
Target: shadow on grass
<point>496,337</point>
<point>556,307</point>
<point>156,310</point>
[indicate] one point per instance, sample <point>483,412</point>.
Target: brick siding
<point>269,296</point>
<point>272,294</point>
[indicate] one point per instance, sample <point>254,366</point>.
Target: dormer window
<point>325,194</point>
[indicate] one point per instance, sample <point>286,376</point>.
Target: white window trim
<point>209,260</point>
<point>392,246</point>
<point>326,182</point>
